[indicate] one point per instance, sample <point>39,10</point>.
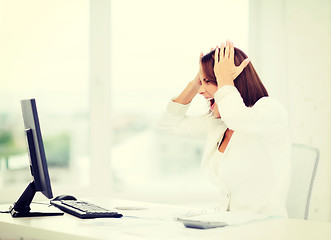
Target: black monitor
<point>38,164</point>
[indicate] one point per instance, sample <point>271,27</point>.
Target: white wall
<point>290,47</point>
<point>100,111</point>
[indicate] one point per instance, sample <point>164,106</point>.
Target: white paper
<point>231,218</point>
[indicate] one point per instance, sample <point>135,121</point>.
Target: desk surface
<point>153,221</point>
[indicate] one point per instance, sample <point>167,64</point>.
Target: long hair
<point>248,82</point>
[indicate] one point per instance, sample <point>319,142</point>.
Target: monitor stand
<point>21,208</point>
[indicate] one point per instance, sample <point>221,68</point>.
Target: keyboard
<point>84,209</point>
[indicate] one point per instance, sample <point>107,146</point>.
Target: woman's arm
<point>189,92</point>
<point>266,116</point>
<point>175,119</point>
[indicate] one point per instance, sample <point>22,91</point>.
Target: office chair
<point>304,165</point>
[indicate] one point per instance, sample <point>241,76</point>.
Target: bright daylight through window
<point>44,55</point>
<point>155,46</point>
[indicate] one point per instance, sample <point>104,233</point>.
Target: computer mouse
<point>64,197</point>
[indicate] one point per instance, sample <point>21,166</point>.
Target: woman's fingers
<point>216,55</point>
<point>227,49</point>
<point>222,51</point>
<point>240,68</point>
<point>231,50</point>
<point>219,53</point>
<point>243,65</point>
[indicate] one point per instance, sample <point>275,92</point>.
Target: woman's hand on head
<point>196,82</point>
<point>191,89</point>
<point>224,68</point>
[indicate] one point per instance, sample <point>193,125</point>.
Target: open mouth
<point>212,104</point>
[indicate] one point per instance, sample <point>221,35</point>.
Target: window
<point>44,55</point>
<point>155,45</point>
<point>155,51</point>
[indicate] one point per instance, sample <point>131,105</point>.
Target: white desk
<point>147,226</point>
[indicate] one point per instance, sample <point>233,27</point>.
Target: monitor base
<point>17,214</point>
<point>21,208</point>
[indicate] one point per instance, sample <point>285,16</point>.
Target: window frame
<point>99,138</point>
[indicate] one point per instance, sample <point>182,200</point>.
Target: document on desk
<point>159,213</point>
<point>230,218</point>
<point>155,211</point>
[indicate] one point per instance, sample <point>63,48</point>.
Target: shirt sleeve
<point>175,121</point>
<point>265,116</point>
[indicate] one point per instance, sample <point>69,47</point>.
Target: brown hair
<point>248,82</point>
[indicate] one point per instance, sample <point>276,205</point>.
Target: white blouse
<point>253,173</point>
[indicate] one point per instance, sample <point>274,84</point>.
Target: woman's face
<point>207,90</point>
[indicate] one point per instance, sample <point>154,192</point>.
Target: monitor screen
<point>38,164</point>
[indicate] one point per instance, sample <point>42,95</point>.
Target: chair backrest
<point>304,165</point>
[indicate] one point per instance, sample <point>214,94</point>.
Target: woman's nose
<point>201,89</point>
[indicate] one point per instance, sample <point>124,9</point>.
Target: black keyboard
<point>84,209</point>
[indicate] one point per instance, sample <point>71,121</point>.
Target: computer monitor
<point>38,164</point>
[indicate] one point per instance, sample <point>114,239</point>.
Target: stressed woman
<point>247,152</point>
